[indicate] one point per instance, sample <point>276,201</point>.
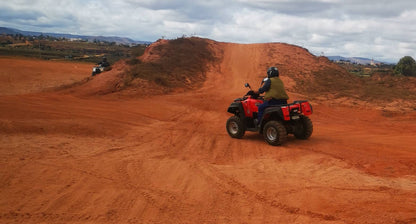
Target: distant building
<point>375,64</point>
<point>75,39</point>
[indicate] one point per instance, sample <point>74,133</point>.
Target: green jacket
<point>276,90</point>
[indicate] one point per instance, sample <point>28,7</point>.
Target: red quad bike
<point>277,122</point>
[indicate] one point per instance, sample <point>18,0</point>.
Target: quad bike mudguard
<point>289,112</point>
<point>236,108</point>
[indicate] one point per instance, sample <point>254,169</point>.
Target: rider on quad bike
<point>275,91</point>
<point>270,115</point>
<point>104,65</point>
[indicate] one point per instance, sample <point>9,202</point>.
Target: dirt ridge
<point>315,78</point>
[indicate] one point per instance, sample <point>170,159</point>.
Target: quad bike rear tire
<point>274,132</point>
<point>235,127</point>
<point>304,128</point>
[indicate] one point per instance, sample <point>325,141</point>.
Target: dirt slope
<point>22,75</point>
<point>168,158</point>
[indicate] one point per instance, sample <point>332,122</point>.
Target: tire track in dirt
<point>232,187</point>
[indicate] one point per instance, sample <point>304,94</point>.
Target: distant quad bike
<point>101,67</point>
<point>277,122</point>
<point>97,70</point>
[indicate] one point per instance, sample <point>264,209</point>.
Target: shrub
<point>406,66</point>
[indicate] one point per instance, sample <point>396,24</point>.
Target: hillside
<point>182,64</point>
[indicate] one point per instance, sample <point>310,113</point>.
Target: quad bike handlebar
<point>253,95</point>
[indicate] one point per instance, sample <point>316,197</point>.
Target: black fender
<point>235,108</point>
<point>271,113</point>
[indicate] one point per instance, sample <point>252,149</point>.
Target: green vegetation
<point>182,63</point>
<point>366,70</point>
<point>406,66</point>
<point>51,48</point>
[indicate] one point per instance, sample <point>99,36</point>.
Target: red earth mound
<point>182,64</point>
<point>168,159</point>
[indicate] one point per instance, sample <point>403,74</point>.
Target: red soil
<point>20,75</point>
<point>168,158</point>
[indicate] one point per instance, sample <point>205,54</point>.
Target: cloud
<point>9,14</point>
<point>383,29</point>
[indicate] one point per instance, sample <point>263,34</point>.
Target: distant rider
<point>104,63</point>
<point>101,66</point>
<point>275,93</point>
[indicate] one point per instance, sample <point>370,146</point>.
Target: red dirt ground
<point>19,75</point>
<point>67,158</point>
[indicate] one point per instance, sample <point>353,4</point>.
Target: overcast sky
<point>384,29</point>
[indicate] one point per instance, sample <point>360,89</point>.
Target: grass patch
<point>328,80</point>
<point>369,88</point>
<point>390,88</point>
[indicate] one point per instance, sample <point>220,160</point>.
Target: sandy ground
<point>169,159</point>
<point>19,75</point>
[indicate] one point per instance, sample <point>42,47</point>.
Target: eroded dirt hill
<point>182,65</point>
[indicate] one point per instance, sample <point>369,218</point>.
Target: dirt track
<point>168,159</point>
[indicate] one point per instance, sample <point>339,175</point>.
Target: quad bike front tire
<point>274,132</point>
<point>304,128</point>
<point>235,127</point>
